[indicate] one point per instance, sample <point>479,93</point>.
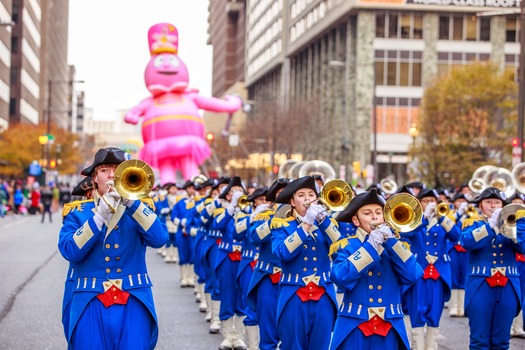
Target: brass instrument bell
<point>134,179</point>
<point>518,176</point>
<point>388,186</point>
<point>507,220</point>
<point>317,167</point>
<point>442,209</point>
<point>336,195</point>
<point>403,212</point>
<point>242,203</point>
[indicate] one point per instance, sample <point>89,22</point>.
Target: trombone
<point>402,213</point>
<point>133,180</point>
<point>507,220</point>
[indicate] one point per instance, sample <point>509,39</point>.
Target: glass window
<point>404,74</point>
<point>472,28</point>
<point>12,106</point>
<point>405,26</point>
<point>511,32</point>
<point>14,44</point>
<point>416,74</point>
<point>484,29</point>
<point>379,72</point>
<point>392,26</point>
<point>418,27</point>
<point>457,28</point>
<point>380,25</point>
<point>391,74</point>
<point>444,27</point>
<point>14,75</point>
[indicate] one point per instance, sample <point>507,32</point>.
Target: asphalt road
<point>32,274</point>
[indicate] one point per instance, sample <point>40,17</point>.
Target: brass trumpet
<point>472,211</point>
<point>242,203</point>
<point>335,195</point>
<point>507,220</point>
<point>442,209</point>
<point>402,213</point>
<point>133,180</point>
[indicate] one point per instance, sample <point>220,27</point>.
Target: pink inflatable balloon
<point>172,129</point>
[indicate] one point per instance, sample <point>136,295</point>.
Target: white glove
<point>183,222</point>
<point>462,209</point>
<point>376,238</point>
<point>103,213</point>
<point>258,210</point>
<point>235,197</point>
<point>128,202</point>
<point>493,220</point>
<point>164,211</point>
<point>385,231</point>
<point>311,214</point>
<point>429,211</point>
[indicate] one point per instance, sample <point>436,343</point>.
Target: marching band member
<point>170,198</point>
<point>516,330</point>
<point>372,270</point>
<point>212,239</point>
<point>264,285</point>
<point>427,297</point>
<point>227,266</point>
<point>112,304</point>
<point>307,303</point>
<point>492,288</point>
<point>458,260</point>
<point>250,254</point>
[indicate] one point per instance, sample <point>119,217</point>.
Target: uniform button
<point>379,273</point>
<point>119,270</point>
<point>428,243</point>
<point>310,288</point>
<point>435,234</point>
<point>494,254</point>
<point>116,246</point>
<point>315,258</point>
<point>380,300</point>
<point>435,244</point>
<point>501,254</point>
<point>107,246</point>
<point>310,295</point>
<point>305,258</point>
<point>305,269</point>
<point>493,246</point>
<point>314,248</point>
<point>428,234</point>
<point>371,287</point>
<point>117,258</point>
<point>494,262</point>
<point>114,289</point>
<point>108,270</point>
<point>501,262</point>
<point>116,227</point>
<point>371,300</point>
<point>115,297</point>
<point>370,273</point>
<point>315,268</point>
<point>305,246</point>
<point>379,287</point>
<point>500,245</point>
<point>107,258</point>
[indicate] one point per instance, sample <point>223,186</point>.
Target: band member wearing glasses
<point>372,267</point>
<point>307,303</point>
<point>112,304</point>
<point>492,288</point>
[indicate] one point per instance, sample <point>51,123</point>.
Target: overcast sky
<point>108,45</point>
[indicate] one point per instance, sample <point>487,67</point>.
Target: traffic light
<point>515,142</point>
<point>210,137</point>
<point>52,164</point>
<point>275,169</point>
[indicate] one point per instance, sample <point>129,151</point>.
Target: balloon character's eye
<point>174,61</point>
<point>159,60</point>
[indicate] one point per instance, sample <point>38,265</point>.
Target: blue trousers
<point>427,302</point>
<point>307,325</point>
<point>229,292</point>
<point>116,327</point>
<point>459,268</point>
<point>267,296</point>
<point>211,283</point>
<point>490,314</point>
<point>171,240</point>
<point>185,249</point>
<point>357,340</point>
<point>244,282</point>
<point>198,247</point>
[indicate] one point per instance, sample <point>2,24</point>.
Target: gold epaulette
<point>452,217</point>
<point>520,214</point>
<point>190,204</point>
<point>72,206</point>
<point>264,216</point>
<point>208,200</point>
<point>278,222</point>
<point>218,212</point>
<point>468,222</point>
<point>149,202</point>
<point>406,245</point>
<point>338,245</point>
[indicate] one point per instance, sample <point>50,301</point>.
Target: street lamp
<point>414,132</point>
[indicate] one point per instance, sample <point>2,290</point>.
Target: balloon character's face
<point>168,71</point>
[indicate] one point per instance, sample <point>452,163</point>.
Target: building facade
<point>354,72</point>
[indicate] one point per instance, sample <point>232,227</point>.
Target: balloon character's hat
<point>163,38</point>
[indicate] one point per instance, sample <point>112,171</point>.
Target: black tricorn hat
<point>168,185</point>
<point>261,191</point>
<point>427,192</point>
<point>234,181</point>
<point>517,195</point>
<point>362,199</point>
<point>187,184</point>
<point>110,155</point>
<point>220,181</point>
<point>405,189</point>
<point>416,184</point>
<point>83,187</point>
<point>459,195</point>
<point>303,182</point>
<point>492,192</point>
<point>199,186</point>
<point>276,186</point>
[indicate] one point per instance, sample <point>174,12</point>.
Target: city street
<point>32,275</point>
